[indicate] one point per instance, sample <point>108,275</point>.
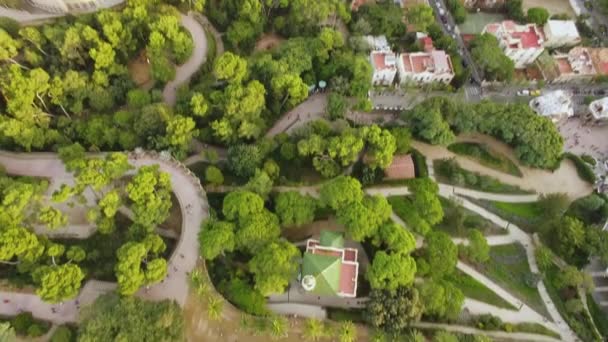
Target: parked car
<point>524,92</point>
<point>599,92</point>
<point>444,19</point>
<point>441,11</point>
<point>535,92</point>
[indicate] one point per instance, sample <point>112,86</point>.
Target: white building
<point>384,67</point>
<point>599,110</point>
<point>554,105</point>
<point>425,67</point>
<point>377,43</point>
<point>521,43</point>
<point>560,33</point>
<point>73,6</point>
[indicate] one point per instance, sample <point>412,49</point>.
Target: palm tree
<point>278,327</point>
<point>314,329</point>
<point>200,283</point>
<point>214,308</point>
<point>347,332</point>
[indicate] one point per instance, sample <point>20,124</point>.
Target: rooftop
<point>328,268</point>
<point>599,57</point>
<point>562,28</point>
<point>553,104</point>
<point>402,167</point>
<point>378,43</point>
<point>577,61</point>
<point>436,61</point>
<point>517,36</point>
<point>382,60</point>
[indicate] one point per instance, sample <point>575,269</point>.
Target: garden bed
<point>448,171</point>
<point>457,221</point>
<point>485,156</point>
<point>476,290</point>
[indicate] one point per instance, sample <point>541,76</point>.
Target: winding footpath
<point>193,204</point>
<point>184,72</point>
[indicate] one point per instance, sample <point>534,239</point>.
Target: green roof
<point>332,239</point>
<point>326,271</point>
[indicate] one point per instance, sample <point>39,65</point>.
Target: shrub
<point>420,164</point>
<point>582,168</point>
<point>62,334</point>
<point>35,330</point>
<point>214,175</point>
<point>22,322</point>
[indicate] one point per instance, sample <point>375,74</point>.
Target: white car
<point>524,92</point>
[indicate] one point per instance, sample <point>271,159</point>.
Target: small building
<point>73,6</point>
<point>554,105</point>
<point>328,268</point>
<point>599,110</point>
<point>575,66</point>
<point>384,67</point>
<point>430,66</point>
<point>561,33</point>
<point>521,43</point>
<point>377,43</point>
<point>402,167</point>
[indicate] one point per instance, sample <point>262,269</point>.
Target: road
<point>188,192</point>
<point>199,56</point>
<point>476,74</point>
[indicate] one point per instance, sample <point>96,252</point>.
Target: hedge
<point>582,168</point>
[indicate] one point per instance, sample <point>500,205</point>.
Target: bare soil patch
<point>139,70</point>
<point>268,42</point>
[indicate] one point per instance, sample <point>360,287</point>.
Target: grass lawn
<point>470,220</point>
<point>526,210</point>
<point>485,156</point>
<point>476,290</point>
<point>508,266</point>
<point>477,21</point>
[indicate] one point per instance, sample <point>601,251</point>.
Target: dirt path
<point>564,179</point>
<point>268,42</point>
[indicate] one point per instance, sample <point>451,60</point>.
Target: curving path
<point>199,56</point>
<point>188,192</point>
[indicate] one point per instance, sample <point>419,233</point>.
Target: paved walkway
<point>188,193</point>
<point>495,334</point>
<point>564,179</point>
<point>199,55</point>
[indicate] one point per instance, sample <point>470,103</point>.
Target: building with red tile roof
<point>521,43</point>
<point>425,67</point>
<point>384,67</point>
<point>402,167</point>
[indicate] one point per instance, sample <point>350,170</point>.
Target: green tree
<point>489,56</point>
<point>439,257</point>
<point>428,124</point>
<point>150,190</point>
<point>230,67</point>
<point>336,106</point>
<point>554,205</point>
<point>395,238</point>
<point>403,138</point>
<point>444,336</point>
<point>382,146</point>
<point>389,271</point>
<point>393,311</point>
<point>478,249</point>
<point>273,266</point>
<point>294,208</point>
<point>9,47</point>
<point>137,266</point>
<point>180,131</point>
<point>421,16</point>
<point>425,201</point>
<point>243,160</point>
<point>112,317</point>
<point>216,238</point>
<point>362,219</point>
<point>340,191</point>
<point>18,242</point>
<point>58,283</point>
<point>52,217</point>
<point>260,183</point>
<point>441,300</point>
<point>257,230</point>
<point>538,15</point>
<point>214,175</point>
<point>241,204</point>
<point>515,9</point>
